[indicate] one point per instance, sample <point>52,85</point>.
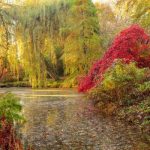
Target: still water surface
<point>61,119</point>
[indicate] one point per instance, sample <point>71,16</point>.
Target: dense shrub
<point>8,139</point>
<point>133,44</point>
<point>123,84</point>
<point>10,114</point>
<point>10,107</point>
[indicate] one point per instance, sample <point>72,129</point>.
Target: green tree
<point>82,43</point>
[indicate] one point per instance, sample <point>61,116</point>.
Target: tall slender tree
<point>82,44</point>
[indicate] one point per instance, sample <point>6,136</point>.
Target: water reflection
<point>67,122</point>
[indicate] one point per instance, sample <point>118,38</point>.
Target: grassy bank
<point>15,84</point>
<point>50,84</point>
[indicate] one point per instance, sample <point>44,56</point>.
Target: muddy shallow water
<point>61,119</point>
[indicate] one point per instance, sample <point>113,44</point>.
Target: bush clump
<point>123,84</point>
<point>10,107</point>
<point>10,115</point>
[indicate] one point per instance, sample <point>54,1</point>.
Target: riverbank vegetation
<point>10,118</point>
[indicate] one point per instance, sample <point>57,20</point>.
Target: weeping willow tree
<point>35,32</point>
<point>32,22</point>
<point>37,43</point>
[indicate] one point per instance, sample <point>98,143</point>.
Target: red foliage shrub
<point>133,44</point>
<point>8,140</point>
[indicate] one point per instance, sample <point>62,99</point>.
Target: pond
<point>61,119</point>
